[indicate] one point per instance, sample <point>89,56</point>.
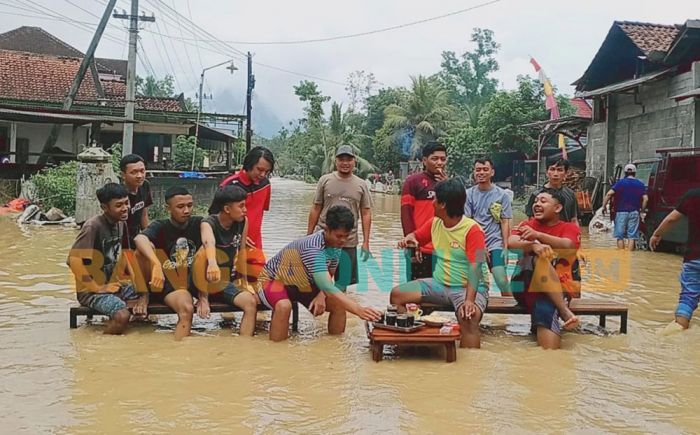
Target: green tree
<point>422,116</point>
<point>182,153</point>
<point>309,93</point>
<point>468,78</point>
<point>152,87</point>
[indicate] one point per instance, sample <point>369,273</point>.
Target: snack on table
<point>432,318</point>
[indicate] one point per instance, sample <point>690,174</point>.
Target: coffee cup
<point>390,318</point>
<point>402,320</point>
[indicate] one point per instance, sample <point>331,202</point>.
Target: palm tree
<point>422,117</point>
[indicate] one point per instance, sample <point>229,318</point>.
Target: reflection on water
<point>58,380</point>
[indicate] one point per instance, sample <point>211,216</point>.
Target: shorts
<point>424,269</point>
<point>496,258</point>
<point>108,303</point>
<point>690,289</point>
<point>271,292</point>
<point>544,314</point>
<point>227,295</point>
<point>159,296</point>
<point>346,274</point>
<point>435,292</point>
<point>626,225</point>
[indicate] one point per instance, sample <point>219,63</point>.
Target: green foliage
<point>152,87</point>
<point>56,186</point>
<point>308,92</point>
<point>464,144</point>
<point>182,153</point>
<point>116,151</point>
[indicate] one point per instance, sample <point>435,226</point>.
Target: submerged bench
<point>584,307</point>
<point>156,308</point>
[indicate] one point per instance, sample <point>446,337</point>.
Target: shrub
<point>56,186</point>
<point>182,153</point>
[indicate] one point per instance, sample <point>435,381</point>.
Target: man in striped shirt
<point>303,272</point>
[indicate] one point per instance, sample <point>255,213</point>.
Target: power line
<point>196,41</point>
<point>187,53</point>
<point>359,34</point>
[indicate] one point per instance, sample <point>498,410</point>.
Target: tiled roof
<point>649,37</point>
<point>583,109</point>
<point>38,77</point>
<point>30,76</point>
<point>39,41</point>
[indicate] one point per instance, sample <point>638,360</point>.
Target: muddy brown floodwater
<point>79,381</point>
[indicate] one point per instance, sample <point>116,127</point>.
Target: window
<point>600,109</point>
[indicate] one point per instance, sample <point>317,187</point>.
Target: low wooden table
<point>427,335</point>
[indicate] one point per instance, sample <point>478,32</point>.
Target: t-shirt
<point>296,263</point>
<point>455,249</point>
<point>257,201</point>
<point>689,206</point>
<point>351,192</point>
<point>137,204</point>
<point>227,241</point>
<point>566,264</point>
<point>568,212</point>
<point>628,194</point>
<point>417,204</point>
<point>488,208</point>
<point>175,246</point>
<point>99,241</point>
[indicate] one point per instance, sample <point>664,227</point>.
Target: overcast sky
<point>562,35</point>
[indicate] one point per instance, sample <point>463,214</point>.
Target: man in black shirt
<point>133,173</point>
<point>556,174</point>
<point>169,247</point>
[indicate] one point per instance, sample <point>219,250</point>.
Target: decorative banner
<point>562,146</point>
<point>550,101</point>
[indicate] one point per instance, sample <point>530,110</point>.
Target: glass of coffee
<point>392,308</point>
<point>390,318</point>
<point>411,320</point>
<point>402,320</point>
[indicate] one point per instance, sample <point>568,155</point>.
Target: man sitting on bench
<point>459,249</point>
<point>97,262</point>
<point>166,251</point>
<point>303,272</point>
<point>549,268</point>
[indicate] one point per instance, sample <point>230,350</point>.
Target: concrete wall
<point>68,140</point>
<point>640,123</point>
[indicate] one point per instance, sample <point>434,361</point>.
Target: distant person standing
<point>342,187</point>
<point>417,197</point>
<point>556,175</point>
<point>689,207</point>
<point>253,178</point>
<point>133,173</point>
<point>490,207</point>
<point>630,198</point>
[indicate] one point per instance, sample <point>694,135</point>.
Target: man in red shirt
<point>253,179</point>
<point>417,205</point>
<point>549,269</point>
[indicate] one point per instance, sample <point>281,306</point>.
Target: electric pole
<point>128,138</point>
<point>248,105</point>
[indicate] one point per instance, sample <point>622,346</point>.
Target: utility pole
<point>128,138</point>
<point>88,59</point>
<point>248,101</point>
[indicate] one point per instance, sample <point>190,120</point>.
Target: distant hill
<point>265,122</point>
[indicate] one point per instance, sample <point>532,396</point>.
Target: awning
<point>690,94</point>
<point>56,118</point>
<point>623,86</point>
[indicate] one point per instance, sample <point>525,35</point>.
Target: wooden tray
<point>414,328</point>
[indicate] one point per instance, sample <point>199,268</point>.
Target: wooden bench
<point>585,307</point>
<point>156,308</point>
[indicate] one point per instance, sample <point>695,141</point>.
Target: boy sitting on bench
<point>97,262</point>
<point>459,250</point>
<point>549,269</point>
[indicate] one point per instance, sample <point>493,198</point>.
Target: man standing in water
<point>303,272</point>
<point>253,178</point>
<point>556,174</point>
<point>630,198</point>
<point>417,197</point>
<point>342,187</point>
<point>133,173</point>
<point>549,268</point>
<point>169,247</point>
<point>688,207</point>
<point>490,206</point>
<point>98,266</point>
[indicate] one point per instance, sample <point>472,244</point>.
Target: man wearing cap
<point>630,201</point>
<point>344,188</point>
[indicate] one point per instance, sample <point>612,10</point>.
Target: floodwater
<point>79,381</point>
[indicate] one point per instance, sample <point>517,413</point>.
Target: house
<point>644,84</point>
<point>36,71</point>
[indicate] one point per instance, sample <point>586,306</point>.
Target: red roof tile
<point>29,76</point>
<point>115,91</point>
<point>583,110</point>
<point>649,37</point>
